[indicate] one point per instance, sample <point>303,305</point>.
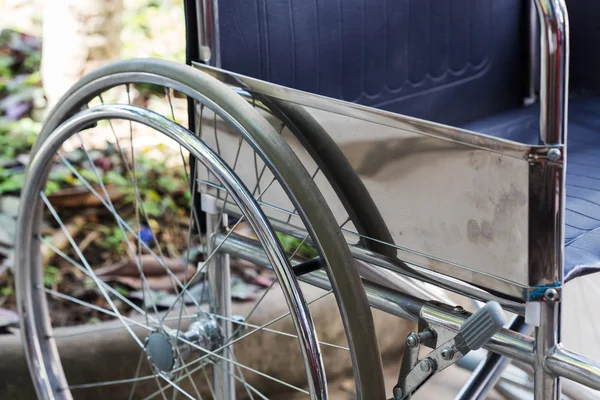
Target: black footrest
<point>309,266</point>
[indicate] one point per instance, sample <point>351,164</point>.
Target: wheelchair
<point>417,148</point>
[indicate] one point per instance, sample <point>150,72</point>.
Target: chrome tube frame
<point>532,62</point>
<point>554,70</point>
<point>219,278</point>
<point>547,264</point>
<point>507,342</point>
<point>207,18</point>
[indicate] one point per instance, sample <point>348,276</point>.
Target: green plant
<point>52,276</point>
<point>16,138</point>
<point>11,182</point>
<point>293,244</point>
<point>114,238</point>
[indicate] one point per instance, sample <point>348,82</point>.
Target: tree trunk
<point>78,36</point>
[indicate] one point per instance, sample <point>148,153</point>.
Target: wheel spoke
<point>127,227</point>
<point>210,385</point>
<point>294,213</point>
<point>232,342</point>
<point>139,204</point>
<point>174,385</point>
<point>114,212</point>
<point>141,357</point>
<point>114,382</point>
<point>87,266</point>
<point>186,371</point>
<point>241,378</point>
<point>136,194</point>
<point>258,302</point>
<point>213,354</point>
<point>260,202</point>
<point>102,310</point>
<point>237,155</point>
<point>249,387</point>
<point>254,308</point>
<point>161,390</point>
<point>201,270</point>
<point>104,284</point>
<point>187,260</point>
<point>291,335</point>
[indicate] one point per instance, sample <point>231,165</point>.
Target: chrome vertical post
<point>547,335</point>
<point>549,193</point>
<point>554,69</point>
<point>208,29</point>
<point>532,62</point>
<point>219,279</point>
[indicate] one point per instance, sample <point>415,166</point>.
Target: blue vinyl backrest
<point>584,18</point>
<point>450,61</point>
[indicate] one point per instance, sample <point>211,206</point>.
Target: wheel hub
<point>160,351</point>
<point>164,351</point>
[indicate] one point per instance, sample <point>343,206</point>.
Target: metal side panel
<point>454,201</point>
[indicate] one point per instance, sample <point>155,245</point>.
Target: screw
<point>551,294</point>
<point>458,310</point>
<point>412,340</point>
<point>397,393</point>
<point>554,154</point>
<point>447,353</point>
<point>425,365</point>
<point>239,325</point>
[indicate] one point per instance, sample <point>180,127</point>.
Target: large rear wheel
<point>222,181</point>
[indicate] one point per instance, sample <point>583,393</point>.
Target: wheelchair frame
<point>531,285</point>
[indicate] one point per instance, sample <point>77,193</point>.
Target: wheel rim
<point>34,307</point>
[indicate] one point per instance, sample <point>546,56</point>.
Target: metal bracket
<point>449,347</point>
<point>545,293</point>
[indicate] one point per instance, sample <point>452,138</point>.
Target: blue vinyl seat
<point>582,230</point>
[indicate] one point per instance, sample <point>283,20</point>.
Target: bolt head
<point>551,294</point>
<point>458,310</point>
<point>554,154</point>
<point>447,353</point>
<point>425,365</point>
<point>397,393</point>
<point>412,340</point>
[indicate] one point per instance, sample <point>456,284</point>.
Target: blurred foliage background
<point>45,47</point>
<point>149,28</point>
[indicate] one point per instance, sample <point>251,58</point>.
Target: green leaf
<point>152,195</point>
<point>115,238</point>
<point>13,183</point>
<point>113,177</point>
<point>52,276</point>
<point>167,183</point>
<point>168,202</point>
<point>89,283</point>
<point>52,187</point>
<point>152,208</point>
<point>89,176</point>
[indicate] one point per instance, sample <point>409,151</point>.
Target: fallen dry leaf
<point>81,197</point>
<point>127,273</point>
